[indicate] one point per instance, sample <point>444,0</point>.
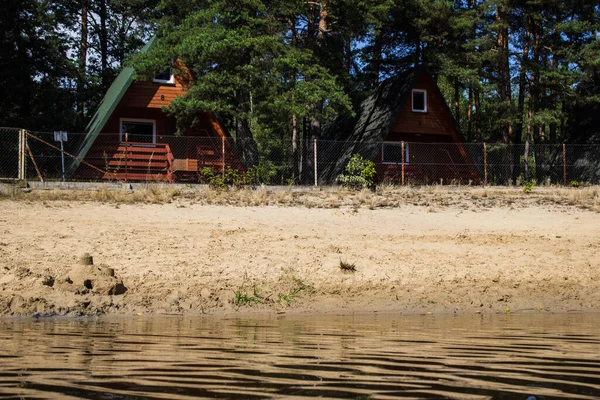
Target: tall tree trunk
<point>348,52</point>
<point>295,157</point>
<point>478,116</point>
<point>322,21</point>
<point>104,44</point>
<point>310,26</point>
<point>521,106</point>
<point>121,46</point>
<point>246,145</point>
<point>315,122</point>
<point>418,55</point>
<point>469,116</point>
<point>457,102</point>
<point>553,96</point>
<point>504,92</point>
<point>473,91</point>
<point>377,58</point>
<point>83,47</point>
<point>534,99</point>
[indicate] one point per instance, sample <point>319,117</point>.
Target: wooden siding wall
<point>417,126</point>
<point>144,100</point>
<point>151,94</point>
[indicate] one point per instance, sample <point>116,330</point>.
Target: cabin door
<point>138,131</point>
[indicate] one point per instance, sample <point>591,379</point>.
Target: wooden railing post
<point>485,182</point>
<point>402,158</point>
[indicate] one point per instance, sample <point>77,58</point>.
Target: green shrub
<point>528,186</point>
<point>206,175</point>
<point>360,173</point>
<point>262,173</point>
<point>231,177</point>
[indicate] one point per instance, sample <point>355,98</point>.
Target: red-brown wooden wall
<point>435,125</point>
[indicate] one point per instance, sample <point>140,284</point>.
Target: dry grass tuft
<point>150,194</point>
<point>347,267</point>
<point>435,198</point>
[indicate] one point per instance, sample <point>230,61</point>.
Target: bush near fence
<point>319,161</point>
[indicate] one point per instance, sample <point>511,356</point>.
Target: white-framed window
<point>165,77</point>
<point>136,130</point>
<point>391,153</point>
<point>419,100</point>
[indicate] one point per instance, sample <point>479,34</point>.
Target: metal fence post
<point>402,158</point>
<point>223,157</point>
<point>19,155</point>
<point>22,175</point>
<point>564,164</point>
<point>315,161</point>
<point>126,154</point>
<point>485,182</point>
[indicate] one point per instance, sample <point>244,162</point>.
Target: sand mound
<point>84,289</point>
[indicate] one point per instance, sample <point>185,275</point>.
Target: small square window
<point>138,131</point>
<point>165,76</point>
<point>419,100</point>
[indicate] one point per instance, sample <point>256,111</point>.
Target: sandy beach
<point>187,256</point>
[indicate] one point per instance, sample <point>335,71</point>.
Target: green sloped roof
<point>107,106</point>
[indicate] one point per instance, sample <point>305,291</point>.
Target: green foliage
<point>360,173</point>
<point>206,175</point>
<point>262,173</point>
<point>231,177</point>
<point>528,186</point>
<point>262,63</point>
<point>241,57</point>
<point>241,296</point>
<point>289,298</point>
<point>575,184</point>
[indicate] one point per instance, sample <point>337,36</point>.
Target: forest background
<point>276,71</point>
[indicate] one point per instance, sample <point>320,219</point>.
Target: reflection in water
<point>515,356</point>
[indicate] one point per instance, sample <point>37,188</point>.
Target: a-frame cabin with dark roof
<point>130,138</point>
<point>406,125</point>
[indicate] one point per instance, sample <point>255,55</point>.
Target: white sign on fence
<point>60,136</point>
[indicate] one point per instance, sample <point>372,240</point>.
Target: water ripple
<point>543,356</point>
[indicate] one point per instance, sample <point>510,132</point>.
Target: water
<point>380,356</point>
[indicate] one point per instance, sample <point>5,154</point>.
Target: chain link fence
<point>9,156</point>
<point>118,157</point>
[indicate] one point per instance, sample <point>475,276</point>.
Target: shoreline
<point>438,251</point>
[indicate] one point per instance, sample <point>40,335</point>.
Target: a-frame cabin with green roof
<point>130,138</point>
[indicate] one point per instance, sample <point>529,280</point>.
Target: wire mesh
<point>9,156</point>
<point>312,161</point>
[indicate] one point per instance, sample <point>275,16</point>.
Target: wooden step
<point>209,153</point>
<point>89,173</point>
<point>121,148</point>
<point>134,164</point>
<point>121,157</point>
<point>121,176</point>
